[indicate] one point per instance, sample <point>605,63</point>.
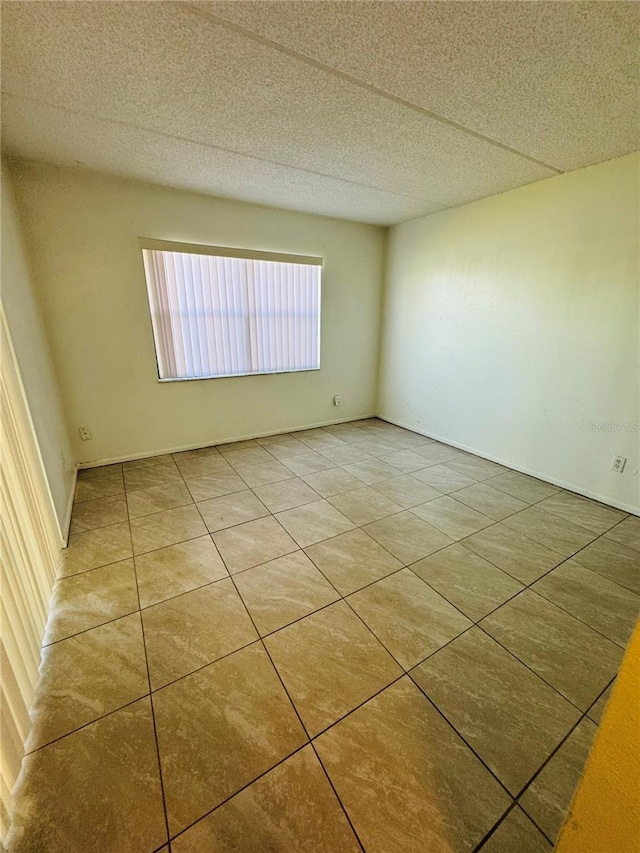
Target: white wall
<point>34,360</point>
<point>512,325</point>
<point>82,231</point>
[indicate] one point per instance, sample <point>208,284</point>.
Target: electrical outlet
<point>85,433</point>
<point>618,464</point>
<point>337,400</point>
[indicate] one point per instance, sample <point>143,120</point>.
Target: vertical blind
<point>224,312</point>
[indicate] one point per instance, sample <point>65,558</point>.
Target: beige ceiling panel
<point>159,67</point>
<point>556,80</point>
<point>38,132</point>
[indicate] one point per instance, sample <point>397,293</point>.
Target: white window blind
<point>229,312</point>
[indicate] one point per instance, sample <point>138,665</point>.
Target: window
<point>229,312</point>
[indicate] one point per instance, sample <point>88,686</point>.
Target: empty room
<point>320,404</point>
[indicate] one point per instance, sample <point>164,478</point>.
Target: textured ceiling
<point>377,112</point>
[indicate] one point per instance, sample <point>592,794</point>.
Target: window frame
<point>154,244</point>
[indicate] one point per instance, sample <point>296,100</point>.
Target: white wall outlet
<point>337,400</point>
<point>618,463</point>
<point>85,433</point>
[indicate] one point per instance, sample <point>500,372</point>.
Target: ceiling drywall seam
<point>179,138</point>
<point>189,8</point>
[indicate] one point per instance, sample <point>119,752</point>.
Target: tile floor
<point>343,639</point>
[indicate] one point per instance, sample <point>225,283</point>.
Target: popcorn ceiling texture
<point>377,112</point>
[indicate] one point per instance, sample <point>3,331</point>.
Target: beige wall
<point>34,360</point>
<point>512,324</point>
<point>82,231</point>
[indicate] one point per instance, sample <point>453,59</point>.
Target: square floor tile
<point>348,664</point>
<point>99,487</point>
<point>364,505</point>
<point>249,456</point>
<point>377,447</point>
<point>490,502</point>
<point>166,528</point>
<point>626,533</point>
<point>550,530</point>
<point>372,471</point>
<point>549,796</point>
<point>587,513</point>
<point>290,808</point>
<point>452,517</point>
<point>164,460</point>
<point>407,490</point>
<point>332,482</point>
<point>284,590</point>
<point>179,568</point>
<point>408,617</point>
<point>407,781</point>
<point>411,440</point>
<point>90,599</point>
<point>523,558</point>
<point>101,782</point>
<point>147,476</point>
<point>596,711</point>
<point>474,466</point>
<point>567,654</point>
<point>286,495</point>
<point>509,716</point>
<point>345,454</point>
<point>405,460</point>
<point>157,499</point>
<point>471,583</point>
<point>605,606</point>
<point>435,452</point>
<point>96,548</point>
<point>521,486</point>
<point>255,542</point>
<point>443,479</point>
<point>194,629</point>
<point>264,473</point>
<point>319,439</point>
<point>99,471</point>
<point>282,447</point>
<point>307,463</point>
<point>614,561</point>
<point>220,728</point>
<point>215,484</point>
<point>87,676</point>
<point>230,510</point>
<point>348,432</point>
<point>203,466</point>
<point>352,560</point>
<point>89,515</point>
<point>314,522</point>
<point>407,537</point>
<point>516,833</point>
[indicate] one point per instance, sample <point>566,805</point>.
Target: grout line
<point>341,597</point>
<point>485,838</point>
<point>86,725</point>
<point>293,706</point>
<point>240,790</point>
<point>153,713</point>
<point>337,796</point>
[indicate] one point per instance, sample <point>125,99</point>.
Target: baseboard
<point>569,487</point>
<point>151,453</point>
<point>65,525</point>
